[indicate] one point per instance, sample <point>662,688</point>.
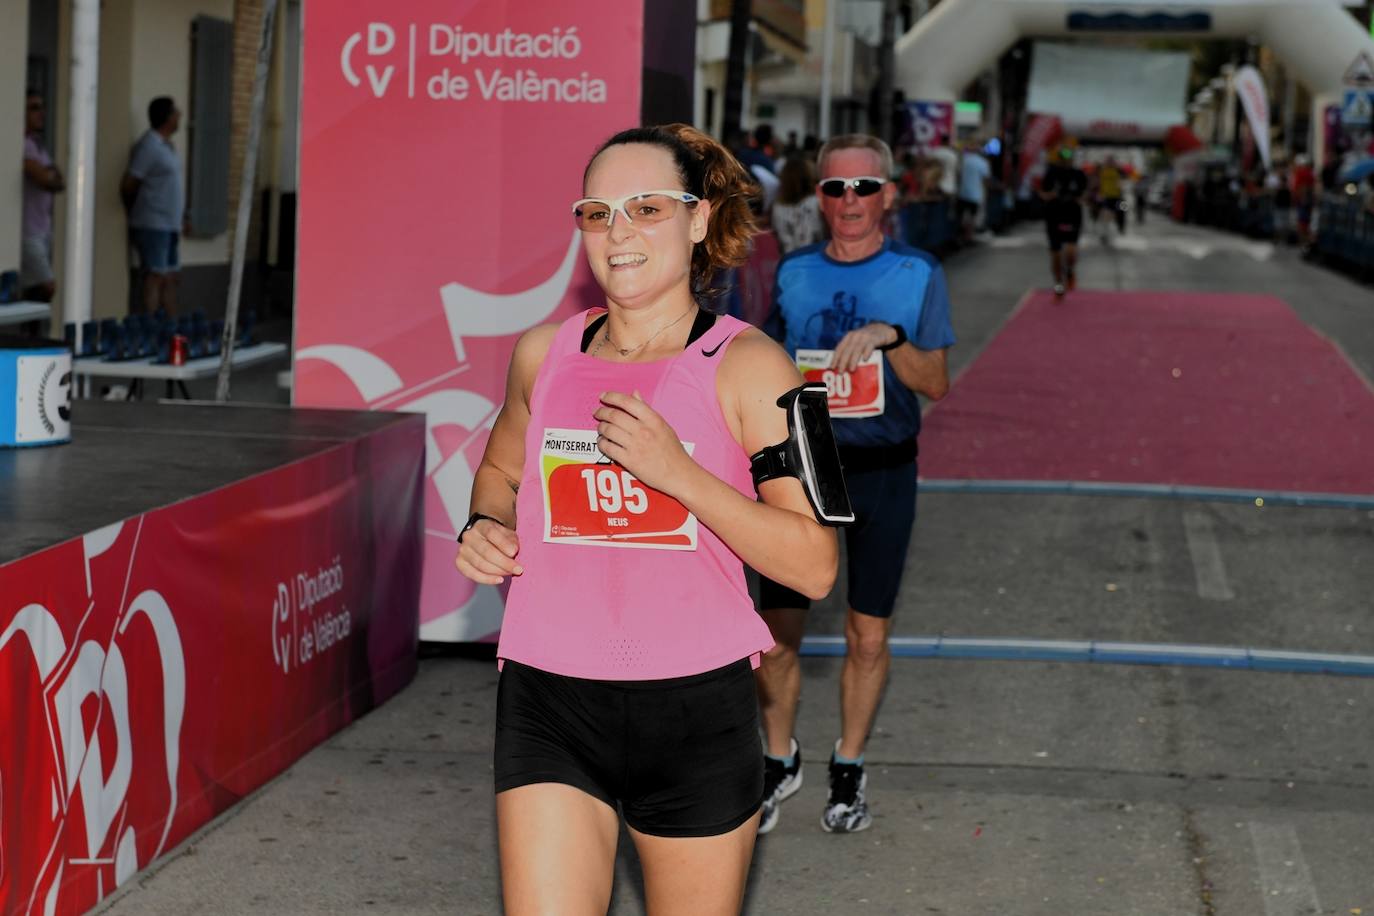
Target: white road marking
<point>1196,247</point>
<point>1285,880</point>
<point>1132,243</point>
<point>1207,563</point>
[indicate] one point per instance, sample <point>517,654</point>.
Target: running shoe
<point>847,809</point>
<point>1059,290</point>
<point>780,782</point>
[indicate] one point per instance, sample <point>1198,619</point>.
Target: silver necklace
<point>624,351</point>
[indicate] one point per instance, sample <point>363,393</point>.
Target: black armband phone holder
<point>809,454</point>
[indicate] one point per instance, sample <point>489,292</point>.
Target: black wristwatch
<point>901,337</point>
<point>474,519</point>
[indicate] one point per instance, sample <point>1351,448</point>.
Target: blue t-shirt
<point>817,300</point>
<point>161,200</point>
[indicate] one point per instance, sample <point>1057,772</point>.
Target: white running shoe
<point>847,809</point>
<point>779,783</point>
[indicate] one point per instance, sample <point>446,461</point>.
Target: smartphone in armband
<point>809,454</point>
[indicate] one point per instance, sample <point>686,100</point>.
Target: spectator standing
<point>974,175</point>
<point>909,183</point>
<point>154,195</point>
<point>755,154</point>
<point>793,145</point>
<point>754,150</point>
<point>1303,182</point>
<point>797,211</point>
<point>42,180</point>
<point>1280,202</point>
<point>948,160</point>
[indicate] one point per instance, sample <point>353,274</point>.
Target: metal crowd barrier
<point>929,225</point>
<point>1345,233</point>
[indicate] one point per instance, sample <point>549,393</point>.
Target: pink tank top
<point>620,581</point>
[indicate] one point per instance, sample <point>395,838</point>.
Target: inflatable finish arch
<point>950,47</point>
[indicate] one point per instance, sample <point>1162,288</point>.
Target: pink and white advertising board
<point>442,143</point>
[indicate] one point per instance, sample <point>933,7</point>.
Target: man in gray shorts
<point>153,193</point>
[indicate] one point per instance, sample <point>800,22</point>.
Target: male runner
<point>1109,199</point>
<point>1062,189</point>
<point>858,295</point>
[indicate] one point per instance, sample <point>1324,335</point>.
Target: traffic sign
<point>1360,72</point>
<point>1357,107</point>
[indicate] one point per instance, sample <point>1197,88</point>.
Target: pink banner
<point>1254,98</point>
<point>442,144</point>
<point>156,671</point>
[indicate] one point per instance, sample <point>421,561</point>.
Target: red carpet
<point>1187,389</point>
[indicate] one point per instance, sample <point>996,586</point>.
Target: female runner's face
<point>638,263</point>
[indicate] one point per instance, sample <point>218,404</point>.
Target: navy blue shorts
<point>681,757</point>
<point>157,249</point>
<point>884,503</point>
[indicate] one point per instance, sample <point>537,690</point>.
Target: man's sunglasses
<point>595,214</point>
<point>866,186</point>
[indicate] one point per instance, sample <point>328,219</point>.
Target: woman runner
<point>615,491</point>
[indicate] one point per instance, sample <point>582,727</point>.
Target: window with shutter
<point>208,125</point>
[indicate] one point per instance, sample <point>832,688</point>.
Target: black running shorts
<point>884,501</point>
<point>1063,226</point>
<point>680,756</point>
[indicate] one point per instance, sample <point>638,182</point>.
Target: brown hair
<point>710,172</point>
<point>797,181</point>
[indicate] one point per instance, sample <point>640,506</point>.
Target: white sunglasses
<point>595,214</point>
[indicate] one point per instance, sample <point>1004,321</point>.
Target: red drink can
<point>178,354</point>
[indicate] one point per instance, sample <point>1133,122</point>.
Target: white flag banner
<point>1255,99</point>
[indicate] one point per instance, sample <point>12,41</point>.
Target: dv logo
<point>381,39</point>
<point>282,631</point>
<point>112,752</point>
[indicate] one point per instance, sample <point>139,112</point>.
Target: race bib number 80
<point>588,499</point>
<point>858,393</point>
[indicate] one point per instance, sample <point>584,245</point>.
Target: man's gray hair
<point>857,141</point>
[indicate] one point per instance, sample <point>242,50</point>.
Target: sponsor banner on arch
<point>442,144</point>
<point>158,670</point>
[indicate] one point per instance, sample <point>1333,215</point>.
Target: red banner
<point>158,670</point>
<point>1042,131</point>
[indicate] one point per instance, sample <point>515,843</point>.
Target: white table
<point>20,312</point>
<point>145,368</point>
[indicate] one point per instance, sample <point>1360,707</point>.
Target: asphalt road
<point>1022,788</point>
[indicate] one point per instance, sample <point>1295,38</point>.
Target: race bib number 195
<point>588,499</point>
<point>858,393</point>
